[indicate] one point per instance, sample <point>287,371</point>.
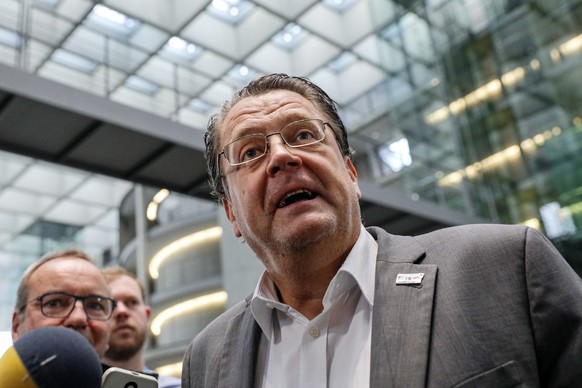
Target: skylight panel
<point>48,3</point>
<point>339,5</point>
<point>142,85</point>
<point>111,22</point>
<point>241,74</point>
<point>200,105</point>
<point>180,49</point>
<point>10,38</point>
<point>232,11</point>
<point>290,36</point>
<point>74,61</point>
<point>342,62</point>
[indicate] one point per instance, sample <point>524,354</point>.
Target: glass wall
<point>481,110</point>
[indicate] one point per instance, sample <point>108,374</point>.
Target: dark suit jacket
<point>498,307</point>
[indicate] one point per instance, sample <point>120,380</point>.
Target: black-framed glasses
<point>61,304</point>
<point>297,134</point>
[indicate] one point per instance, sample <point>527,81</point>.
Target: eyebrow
<point>246,131</point>
<point>253,129</point>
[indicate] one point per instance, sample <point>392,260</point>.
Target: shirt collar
<point>360,265</point>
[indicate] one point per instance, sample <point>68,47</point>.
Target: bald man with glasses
<point>65,289</point>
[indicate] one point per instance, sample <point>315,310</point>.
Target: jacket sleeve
<point>555,296</point>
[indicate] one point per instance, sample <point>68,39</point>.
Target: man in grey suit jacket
<point>343,306</point>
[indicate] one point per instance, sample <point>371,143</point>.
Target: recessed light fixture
<point>112,22</point>
<point>232,11</point>
<point>180,49</point>
<point>241,74</point>
<point>339,5</point>
<point>290,36</point>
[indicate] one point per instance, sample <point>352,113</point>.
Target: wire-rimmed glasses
<point>61,304</point>
<point>251,147</point>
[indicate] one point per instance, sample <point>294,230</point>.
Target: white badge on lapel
<point>409,278</point>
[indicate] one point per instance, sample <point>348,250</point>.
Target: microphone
<point>50,357</point>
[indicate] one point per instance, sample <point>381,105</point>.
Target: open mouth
<point>299,195</point>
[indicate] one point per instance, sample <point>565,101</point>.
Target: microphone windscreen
<point>51,357</point>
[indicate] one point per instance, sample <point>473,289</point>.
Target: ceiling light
<point>339,5</point>
<point>241,74</point>
<point>180,49</point>
<point>180,245</point>
<point>232,11</point>
<point>213,300</point>
<point>112,22</point>
<point>290,36</point>
<point>152,209</point>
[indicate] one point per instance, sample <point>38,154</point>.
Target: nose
<point>280,156</point>
<point>120,308</point>
<point>77,318</point>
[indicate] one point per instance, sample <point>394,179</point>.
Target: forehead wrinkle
<point>71,277</point>
<point>259,111</point>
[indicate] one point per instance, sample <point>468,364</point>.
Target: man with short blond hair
<point>130,324</point>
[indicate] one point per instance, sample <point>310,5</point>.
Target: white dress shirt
<point>331,350</point>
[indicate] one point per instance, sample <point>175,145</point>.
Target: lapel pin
<point>409,278</point>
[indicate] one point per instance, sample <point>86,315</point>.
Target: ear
<point>148,311</point>
<point>353,173</point>
<point>15,325</point>
<point>231,217</point>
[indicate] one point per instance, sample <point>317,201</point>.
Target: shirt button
<point>270,305</point>
<point>314,332</point>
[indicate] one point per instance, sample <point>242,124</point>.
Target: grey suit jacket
<point>498,307</point>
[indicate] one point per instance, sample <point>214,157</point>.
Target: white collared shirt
<point>333,349</point>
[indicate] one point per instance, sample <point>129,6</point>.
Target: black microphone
<point>50,357</point>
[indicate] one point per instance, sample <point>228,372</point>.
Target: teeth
<point>284,200</point>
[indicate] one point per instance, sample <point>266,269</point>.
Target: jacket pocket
<point>503,376</point>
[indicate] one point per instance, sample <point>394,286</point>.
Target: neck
<point>135,363</point>
<point>302,278</point>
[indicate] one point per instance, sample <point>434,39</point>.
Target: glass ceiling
<point>179,59</point>
<point>172,59</point>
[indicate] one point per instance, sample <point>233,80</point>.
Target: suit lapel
<point>401,326</point>
<point>239,357</point>
<point>401,322</point>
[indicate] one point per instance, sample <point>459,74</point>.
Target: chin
<point>310,233</point>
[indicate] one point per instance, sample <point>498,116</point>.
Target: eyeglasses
<point>61,304</point>
<point>297,134</point>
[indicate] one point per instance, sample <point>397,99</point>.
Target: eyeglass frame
<point>267,144</point>
<point>76,297</point>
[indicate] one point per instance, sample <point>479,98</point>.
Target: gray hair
<point>23,288</point>
<point>262,85</point>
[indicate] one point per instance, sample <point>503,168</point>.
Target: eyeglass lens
<point>297,134</point>
<point>59,305</point>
